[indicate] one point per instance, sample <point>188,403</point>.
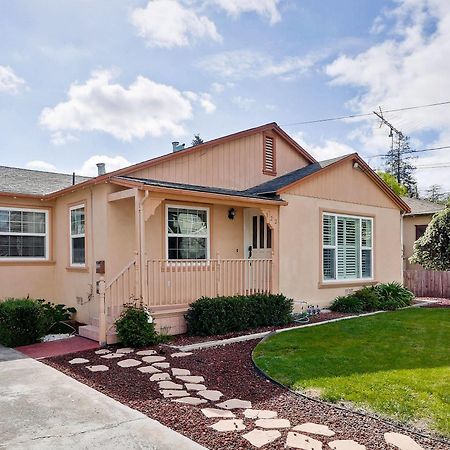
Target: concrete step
<point>91,332</point>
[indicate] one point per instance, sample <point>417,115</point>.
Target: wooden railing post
<point>101,313</point>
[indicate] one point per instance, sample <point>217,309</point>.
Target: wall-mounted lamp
<point>356,165</point>
<point>231,213</point>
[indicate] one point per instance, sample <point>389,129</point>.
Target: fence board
<point>427,283</point>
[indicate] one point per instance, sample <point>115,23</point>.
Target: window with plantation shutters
<point>269,155</point>
<point>347,247</point>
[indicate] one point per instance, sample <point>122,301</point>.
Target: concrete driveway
<point>41,408</point>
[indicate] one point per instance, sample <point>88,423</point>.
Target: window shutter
<point>348,247</point>
<point>269,154</point>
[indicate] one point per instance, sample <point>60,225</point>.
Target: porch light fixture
<point>231,213</point>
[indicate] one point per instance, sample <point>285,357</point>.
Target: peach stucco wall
<point>409,237</point>
<point>235,164</point>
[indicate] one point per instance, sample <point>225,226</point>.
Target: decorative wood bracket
<point>150,206</point>
<point>271,216</point>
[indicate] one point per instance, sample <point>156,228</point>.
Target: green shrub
<point>393,295</point>
<point>347,304</point>
<point>135,329</point>
<point>210,316</point>
<point>55,315</point>
<point>22,322</point>
<point>369,298</point>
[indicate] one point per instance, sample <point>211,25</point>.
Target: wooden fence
<point>427,283</point>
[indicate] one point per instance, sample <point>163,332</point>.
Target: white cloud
<point>266,8</point>
<point>60,138</point>
<point>40,165</point>
<point>203,98</point>
<point>144,108</point>
<point>238,64</point>
<point>89,167</point>
<point>10,83</point>
<point>409,67</point>
<point>167,24</point>
<point>244,103</point>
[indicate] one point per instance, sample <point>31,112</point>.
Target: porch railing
<point>182,282</point>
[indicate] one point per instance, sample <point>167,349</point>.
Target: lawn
<point>396,364</point>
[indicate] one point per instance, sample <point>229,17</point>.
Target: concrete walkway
<point>41,408</point>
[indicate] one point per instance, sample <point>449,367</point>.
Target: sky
<point>116,81</point>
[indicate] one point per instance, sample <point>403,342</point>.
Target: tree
<point>197,140</point>
<point>392,182</point>
<point>434,193</point>
<point>432,250</point>
<point>398,163</point>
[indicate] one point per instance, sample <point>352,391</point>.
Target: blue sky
<point>118,80</point>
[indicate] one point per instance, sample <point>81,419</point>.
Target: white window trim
<point>335,247</point>
<point>28,258</point>
<point>208,234</point>
<point>72,236</point>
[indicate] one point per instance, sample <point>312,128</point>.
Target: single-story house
<point>249,212</point>
<point>414,225</point>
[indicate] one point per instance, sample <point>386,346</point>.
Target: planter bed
<point>230,370</point>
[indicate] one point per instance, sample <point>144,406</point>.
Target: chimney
<point>101,170</point>
<point>176,146</point>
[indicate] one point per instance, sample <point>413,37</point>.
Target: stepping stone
<point>191,379</point>
<point>102,351</point>
<point>129,363</point>
<point>258,438</point>
<point>113,355</point>
<point>78,361</point>
<point>161,365</point>
<point>99,368</point>
<point>181,354</point>
<point>146,352</point>
<point>194,401</point>
<point>314,428</point>
<point>229,425</point>
<point>195,387</point>
<point>235,403</point>
<point>176,372</point>
<point>211,395</point>
<point>346,444</point>
<point>173,393</point>
<point>214,412</point>
<point>260,414</point>
<point>149,369</point>
<point>273,423</point>
<point>169,385</point>
<point>153,359</point>
<point>160,376</point>
<point>297,440</point>
<point>125,350</point>
<point>401,441</point>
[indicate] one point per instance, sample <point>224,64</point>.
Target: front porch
<point>175,235</point>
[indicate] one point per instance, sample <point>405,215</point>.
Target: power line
<point>432,149</point>
<point>353,116</point>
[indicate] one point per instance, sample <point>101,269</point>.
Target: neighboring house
<point>414,225</point>
<point>248,212</point>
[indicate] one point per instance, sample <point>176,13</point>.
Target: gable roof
<point>34,182</point>
<point>422,207</point>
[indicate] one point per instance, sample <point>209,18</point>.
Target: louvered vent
<point>269,155</point>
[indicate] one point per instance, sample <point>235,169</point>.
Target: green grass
<point>396,364</point>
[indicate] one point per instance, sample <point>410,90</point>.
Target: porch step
<point>91,332</point>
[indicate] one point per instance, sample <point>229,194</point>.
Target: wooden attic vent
<point>269,155</point>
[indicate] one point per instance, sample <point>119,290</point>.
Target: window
<point>77,236</point>
<point>420,231</point>
<point>23,234</point>
<point>347,247</point>
<point>187,233</point>
<point>269,155</point>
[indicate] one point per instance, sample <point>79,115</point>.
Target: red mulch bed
<point>229,369</point>
<point>441,302</point>
<point>184,339</point>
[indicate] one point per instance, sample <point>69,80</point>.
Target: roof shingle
<point>419,206</point>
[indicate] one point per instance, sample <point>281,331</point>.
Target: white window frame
<point>73,236</point>
<point>198,208</point>
<point>335,247</point>
<point>45,235</point>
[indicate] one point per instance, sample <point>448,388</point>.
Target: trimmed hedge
<point>386,297</point>
<point>210,316</point>
<point>135,328</point>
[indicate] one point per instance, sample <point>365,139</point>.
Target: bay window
<point>347,247</point>
<point>23,234</point>
<point>77,236</point>
<point>187,233</point>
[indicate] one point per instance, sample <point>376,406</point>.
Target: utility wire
<point>353,116</point>
<point>432,149</point>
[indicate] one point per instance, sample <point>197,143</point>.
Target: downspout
<point>92,254</point>
<point>142,277</point>
<point>402,254</point>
